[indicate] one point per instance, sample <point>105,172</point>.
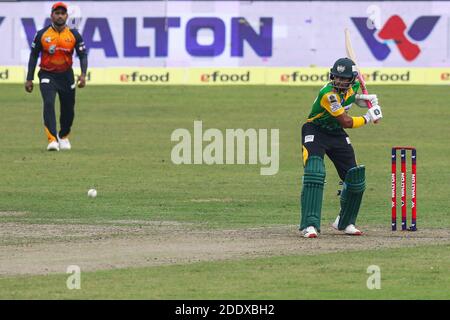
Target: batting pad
<point>351,196</point>
<point>312,192</point>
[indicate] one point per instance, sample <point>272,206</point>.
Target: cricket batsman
<point>56,43</point>
<point>323,133</point>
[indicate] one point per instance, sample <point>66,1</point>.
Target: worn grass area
<point>411,273</point>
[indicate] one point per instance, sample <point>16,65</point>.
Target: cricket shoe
<point>64,144</point>
<point>350,229</point>
<point>53,146</point>
<point>309,232</point>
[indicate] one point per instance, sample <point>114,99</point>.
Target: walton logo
<point>394,31</point>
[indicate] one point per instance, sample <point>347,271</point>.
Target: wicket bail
<point>403,188</point>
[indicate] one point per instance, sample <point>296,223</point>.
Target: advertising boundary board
<point>240,76</point>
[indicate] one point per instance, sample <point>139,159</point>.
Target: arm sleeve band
<point>32,62</point>
<point>36,48</point>
<point>83,64</point>
<point>358,122</point>
<point>80,48</point>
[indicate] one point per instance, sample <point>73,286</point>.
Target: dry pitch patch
<point>50,248</point>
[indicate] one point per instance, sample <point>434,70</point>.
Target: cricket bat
<point>351,55</point>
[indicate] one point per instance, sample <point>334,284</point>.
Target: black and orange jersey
<point>56,49</point>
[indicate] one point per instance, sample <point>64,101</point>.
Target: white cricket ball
<point>92,193</point>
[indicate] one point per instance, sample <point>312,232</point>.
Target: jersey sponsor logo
<point>332,98</point>
<point>52,49</point>
<point>48,39</point>
<point>309,138</point>
<point>64,49</point>
<point>335,107</point>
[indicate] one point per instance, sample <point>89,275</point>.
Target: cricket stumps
<point>403,151</point>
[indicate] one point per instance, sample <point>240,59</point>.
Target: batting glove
<point>361,99</point>
<point>373,114</point>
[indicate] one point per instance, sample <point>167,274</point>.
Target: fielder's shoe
<point>350,229</point>
<point>309,232</point>
<point>64,144</point>
<point>53,146</point>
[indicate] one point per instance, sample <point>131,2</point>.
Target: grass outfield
<point>412,273</point>
<point>121,146</point>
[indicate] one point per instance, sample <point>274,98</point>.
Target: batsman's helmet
<point>343,68</point>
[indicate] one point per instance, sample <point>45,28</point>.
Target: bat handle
<point>364,90</point>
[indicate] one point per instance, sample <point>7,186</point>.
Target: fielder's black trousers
<point>62,84</point>
<point>337,146</point>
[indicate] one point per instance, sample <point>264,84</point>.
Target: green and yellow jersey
<point>328,105</point>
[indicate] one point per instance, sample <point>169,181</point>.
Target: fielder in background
<point>56,44</point>
<point>323,133</point>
